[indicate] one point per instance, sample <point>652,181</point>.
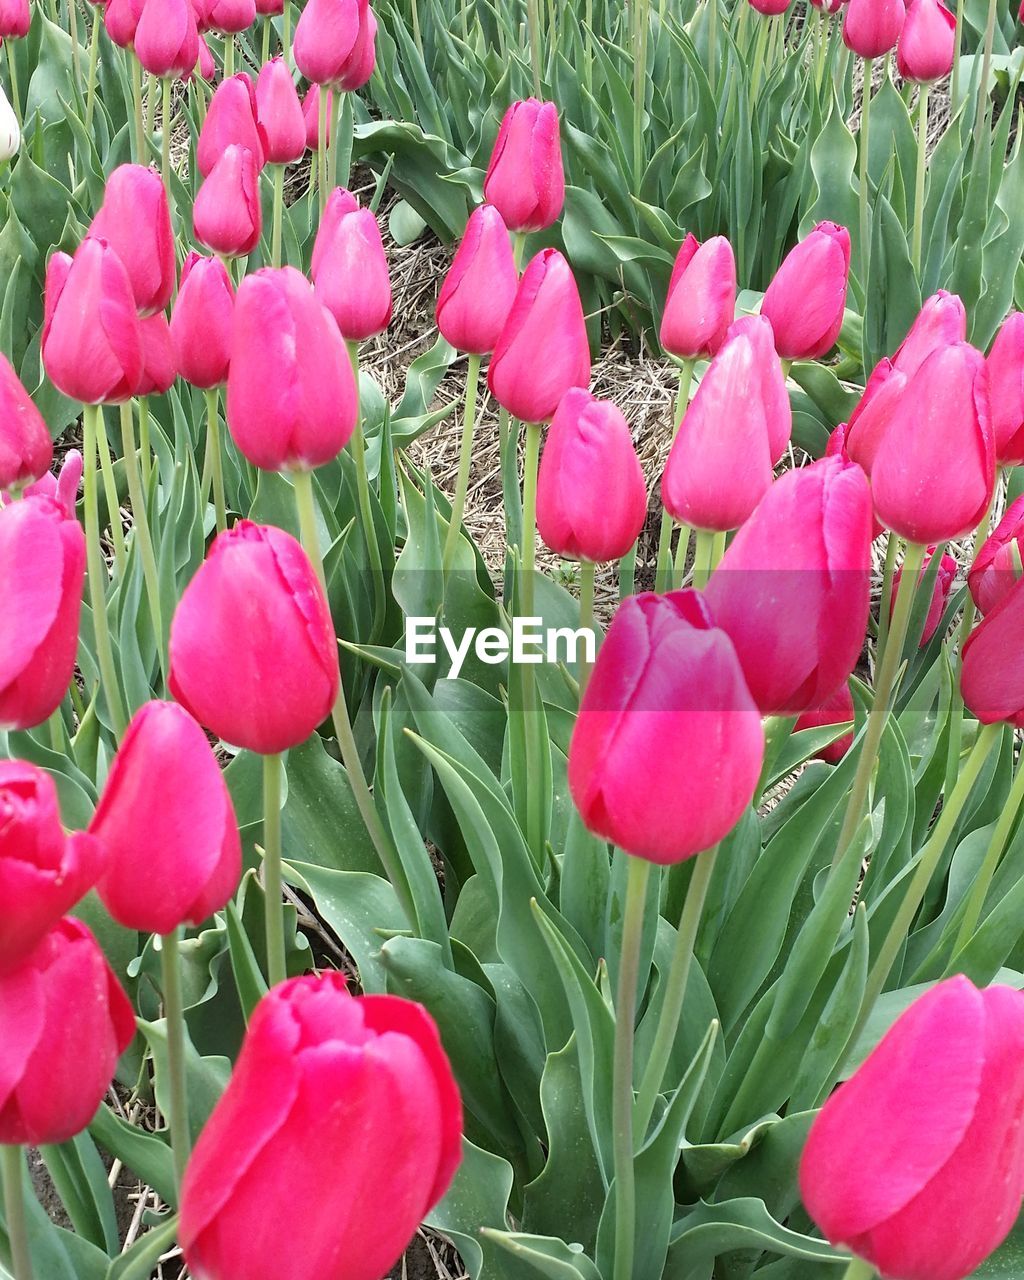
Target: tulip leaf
<point>139,1262</point>
<point>207,1077</point>
<point>477,1198</point>
<point>80,1178</point>
<point>545,1255</point>
<point>147,1155</point>
<point>710,1230</point>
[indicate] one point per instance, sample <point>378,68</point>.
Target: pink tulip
<point>525,181</point>
<point>201,322</point>
<point>159,366</point>
<point>806,299</point>
<point>270,8</point>
<point>62,488</point>
<point>231,16</point>
<point>770,8</point>
<point>231,121</point>
<point>26,449</point>
<point>227,216</point>
<point>279,112</point>
<point>135,221</point>
<point>992,673</point>
<point>1006,390</point>
<point>327,39</point>
<point>311,116</point>
<point>872,27</point>
<point>480,287</point>
<point>167,38</point>
<point>352,278</point>
<point>542,350</point>
<point>291,400</point>
<point>927,42</point>
<point>994,570</point>
<point>836,709</point>
<point>871,417</point>
<point>121,19</point>
<point>15,19</point>
<point>206,66</point>
<point>339,202</point>
<point>701,299</point>
<point>941,321</point>
<point>838,447</point>
<point>361,61</point>
<point>944,578</point>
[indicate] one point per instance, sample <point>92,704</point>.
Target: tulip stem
<point>97,575</point>
<point>110,492</point>
<point>465,457</point>
<point>276,234</point>
<point>892,546</point>
<point>675,989</point>
<point>165,140</point>
<point>663,569</point>
<point>145,449</point>
<point>11,1162</point>
<point>94,56</point>
<point>954,88</point>
<point>640,88</point>
<point>587,571</point>
<point>140,518</point>
<point>274,911</point>
<point>682,551</point>
<point>265,50</point>
<point>994,852</point>
<point>981,112</point>
<point>922,146</point>
<point>703,557</point>
<point>885,681</point>
<point>215,456</point>
<point>533,22</point>
<point>531,462</point>
<point>286,30</point>
<point>865,146</point>
<point>365,505</point>
<point>622,1096</point>
<point>174,1015</point>
<point>332,143</point>
<point>136,78</point>
<point>12,68</point>
<point>229,56</point>
<point>858,1270</point>
<point>321,155</point>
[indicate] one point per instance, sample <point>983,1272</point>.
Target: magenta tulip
<point>872,27</point>
<point>927,42</point>
<point>121,19</point>
<point>806,299</point>
<point>135,221</point>
<point>871,417</point>
<point>352,279</point>
<point>327,40</point>
<point>227,215</point>
<point>229,17</point>
<point>480,287</point>
<point>231,121</point>
<point>995,567</point>
<point>202,320</point>
<point>941,322</point>
<point>1006,390</point>
<point>26,449</point>
<point>836,709</point>
<point>167,38</point>
<point>339,202</point>
<point>15,19</point>
<point>525,181</point>
<point>311,116</point>
<point>279,112</point>
<point>701,299</point>
<point>992,673</point>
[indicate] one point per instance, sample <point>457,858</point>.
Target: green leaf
<point>148,1156</point>
<point>81,1182</point>
<point>711,1230</point>
<point>139,1262</point>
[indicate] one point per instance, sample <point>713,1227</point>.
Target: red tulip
<point>369,1064</point>
<point>270,8</point>
<point>770,8</point>
<point>792,591</point>
<point>871,417</point>
<point>339,202</point>
<point>838,447</point>
<point>927,42</point>
<point>253,654</point>
<point>992,674</point>
<point>61,489</point>
<point>121,19</point>
<point>227,216</point>
<point>480,287</point>
<point>201,322</point>
<point>135,221</point>
<point>15,19</point>
<point>43,873</point>
<point>806,299</point>
<point>311,115</point>
<point>327,39</point>
<point>279,112</point>
<point>26,449</point>
<point>42,567</point>
<point>701,298</point>
<point>1006,389</point>
<point>915,1163</point>
<point>167,38</point>
<point>167,864</point>
<point>231,16</point>
<point>291,400</point>
<point>944,579</point>
<point>872,27</point>
<point>591,495</point>
<point>99,362</point>
<point>836,709</point>
<point>668,745</point>
<point>941,322</point>
<point>934,469</point>
<point>352,278</point>
<point>64,1022</point>
<point>737,426</point>
<point>525,181</point>
<point>231,121</point>
<point>543,348</point>
<point>995,567</point>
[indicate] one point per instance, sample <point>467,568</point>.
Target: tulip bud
<point>265,686</point>
<point>327,39</point>
<point>944,578</point>
<point>930,1120</point>
<point>667,748</point>
<point>339,202</point>
<point>525,181</point>
<point>1006,390</point>
<point>838,447</point>
<point>872,27</point>
<point>701,299</point>
<point>735,429</point>
<point>121,19</point>
<point>770,8</point>
<point>43,873</point>
<point>98,363</point>
<point>992,674</point>
<point>135,221</point>
<point>934,469</point>
<point>42,567</point>
<point>591,495</point>
<point>828,6</point>
<point>167,38</point>
<point>26,449</point>
<point>201,322</point>
<point>270,8</point>
<point>291,400</point>
<point>62,489</point>
<point>926,45</point>
<point>368,1064</point>
<point>542,350</point>
<point>352,278</point>
<point>227,216</point>
<point>361,61</point>
<point>995,568</point>
<point>480,287</point>
<point>206,66</point>
<point>167,865</point>
<point>836,709</point>
<point>792,591</point>
<point>64,1022</point>
<point>941,322</point>
<point>10,130</point>
<point>159,367</point>
<point>871,417</point>
<point>279,112</point>
<point>231,121</point>
<point>311,116</point>
<point>231,16</point>
<point>806,299</point>
<point>15,19</point>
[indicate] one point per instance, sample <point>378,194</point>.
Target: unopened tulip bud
<point>940,322</point>
<point>231,16</point>
<point>135,221</point>
<point>480,287</point>
<point>270,8</point>
<point>361,61</point>
<point>279,111</point>
<point>873,412</point>
<point>997,566</point>
<point>10,130</point>
<point>944,579</point>
<point>339,202</point>
<point>206,66</point>
<point>167,38</point>
<point>992,671</point>
<point>15,19</point>
<point>927,42</point>
<point>769,8</point>
<point>352,279</point>
<point>836,709</point>
<point>121,19</point>
<point>1006,390</point>
<point>159,367</point>
<point>525,181</point>
<point>327,39</point>
<point>806,299</point>
<point>701,299</point>
<point>872,27</point>
<point>26,449</point>
<point>311,116</point>
<point>231,121</point>
<point>201,322</point>
<point>227,216</point>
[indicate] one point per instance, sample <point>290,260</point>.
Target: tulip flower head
<point>121,19</point>
<point>352,279</point>
<point>230,16</point>
<point>701,299</point>
<point>201,322</point>
<point>231,120</point>
<point>1006,390</point>
<point>992,674</point>
<point>769,8</point>
<point>135,221</point>
<point>525,180</point>
<point>872,27</point>
<point>26,449</point>
<point>339,202</point>
<point>227,216</point>
<point>941,322</point>
<point>279,112</point>
<point>995,568</point>
<point>836,709</point>
<point>167,38</point>
<point>15,19</point>
<point>315,1054</point>
<point>915,1163</point>
<point>10,130</point>
<point>480,287</point>
<point>806,299</point>
<point>668,745</point>
<point>944,578</point>
<point>927,42</point>
<point>331,40</point>
<point>159,366</point>
<point>873,412</point>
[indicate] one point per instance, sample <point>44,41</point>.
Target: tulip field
<point>511,640</point>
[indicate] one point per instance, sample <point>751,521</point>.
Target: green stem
<point>885,681</point>
<point>640,90</point>
<point>622,1084</point>
<point>136,79</point>
<point>11,1161</point>
<point>165,140</point>
<point>321,155</point>
<point>229,56</point>
<point>675,989</point>
<point>365,505</point>
<point>981,111</point>
<point>12,67</point>
<point>332,143</point>
<point>983,880</point>
<point>267,25</point>
<point>531,462</point>
<point>858,1270</point>
<point>682,551</point>
<point>174,1014</point>
<point>533,22</point>
<point>465,457</point>
<point>110,493</point>
<point>892,546</point>
<point>215,456</point>
<point>922,146</point>
<point>518,245</point>
<point>663,569</point>
<point>98,575</point>
<point>704,557</point>
<point>152,94</point>
<point>76,65</point>
<point>275,242</point>
<point>865,149</point>
<point>274,910</point>
<point>286,31</point>
<point>587,571</point>
<point>140,517</point>
<point>958,42</point>
<point>145,449</point>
